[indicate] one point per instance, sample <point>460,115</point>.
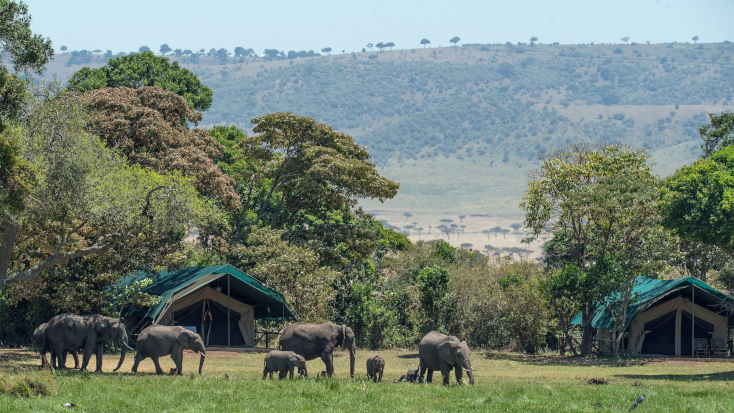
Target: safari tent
<point>666,317</point>
<point>220,303</point>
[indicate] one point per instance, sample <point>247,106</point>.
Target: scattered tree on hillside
<point>467,245</point>
<point>242,52</point>
<point>97,51</point>
<point>461,218</point>
<point>419,230</point>
<point>407,215</point>
<point>533,40</point>
<point>381,46</point>
<point>187,52</point>
<point>504,233</point>
<point>719,133</point>
<point>164,49</point>
<point>695,39</point>
<point>390,45</point>
<point>455,40</point>
<point>626,39</point>
<point>445,229</point>
<point>516,226</point>
<point>373,57</point>
<point>144,69</point>
<point>178,52</point>
<point>370,46</point>
<point>142,49</point>
<point>487,232</point>
<point>424,42</point>
<point>326,50</point>
<point>64,48</point>
<point>222,54</point>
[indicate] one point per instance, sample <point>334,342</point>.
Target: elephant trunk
<point>122,356</point>
<point>201,362</point>
<point>466,366</point>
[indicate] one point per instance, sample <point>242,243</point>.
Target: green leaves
<point>17,176</point>
<point>144,69</point>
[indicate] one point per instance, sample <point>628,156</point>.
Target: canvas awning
<point>172,286</point>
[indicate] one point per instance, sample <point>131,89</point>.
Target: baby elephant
<point>375,365</point>
<point>159,341</point>
<point>412,376</point>
<point>282,361</point>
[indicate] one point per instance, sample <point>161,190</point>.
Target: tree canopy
<point>144,69</point>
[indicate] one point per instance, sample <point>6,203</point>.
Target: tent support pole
<point>229,324</point>
<point>693,316</point>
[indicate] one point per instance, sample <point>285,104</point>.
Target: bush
<point>29,385</point>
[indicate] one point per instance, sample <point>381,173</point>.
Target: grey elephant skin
<point>411,376</point>
<point>70,332</point>
<point>319,340</point>
<point>158,341</point>
<point>375,367</point>
<point>39,335</point>
<point>441,352</point>
<point>283,361</point>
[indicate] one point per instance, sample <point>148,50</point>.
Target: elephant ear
<point>293,358</point>
<point>101,325</point>
<point>183,338</point>
<point>446,352</point>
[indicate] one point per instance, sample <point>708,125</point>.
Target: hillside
<point>460,127</point>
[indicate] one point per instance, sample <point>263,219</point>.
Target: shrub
<point>29,385</point>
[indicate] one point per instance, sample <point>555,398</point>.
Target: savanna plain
<point>231,382</point>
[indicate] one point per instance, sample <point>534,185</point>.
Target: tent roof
<point>268,304</point>
<point>650,291</point>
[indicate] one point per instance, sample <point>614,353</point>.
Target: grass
<point>503,382</point>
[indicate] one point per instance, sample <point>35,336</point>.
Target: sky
<point>350,25</point>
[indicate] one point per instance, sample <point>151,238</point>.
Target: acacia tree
<point>603,200</point>
<point>84,199</point>
<point>455,40</point>
<point>326,50</point>
<point>695,39</point>
<point>533,40</point>
<point>424,42</point>
<point>625,39</point>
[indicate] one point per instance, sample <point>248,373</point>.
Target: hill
<point>459,127</point>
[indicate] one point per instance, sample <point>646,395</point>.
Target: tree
<point>601,203</point>
<point>327,50</point>
<point>446,220</point>
<point>533,40</point>
<point>28,53</point>
<point>390,45</point>
<point>143,49</point>
<point>487,232</point>
<point>97,51</point>
<point>271,53</point>
<point>178,52</point>
<point>373,57</point>
<point>433,283</point>
<point>455,40</point>
<point>407,215</point>
<point>504,233</point>
<point>164,49</point>
<point>446,230</point>
<point>85,200</point>
<point>718,134</point>
<point>187,52</point>
<point>461,218</point>
<point>144,69</point>
<point>506,69</point>
<point>370,46</point>
<point>467,245</point>
<point>419,230</point>
<point>147,125</point>
<point>695,39</point>
<point>305,157</point>
<point>626,39</point>
<point>64,48</point>
<point>516,226</point>
<point>381,46</point>
<point>424,42</point>
<point>222,54</point>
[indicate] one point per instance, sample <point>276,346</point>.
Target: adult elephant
<point>319,340</point>
<point>159,341</point>
<point>39,336</point>
<point>441,352</point>
<point>69,332</point>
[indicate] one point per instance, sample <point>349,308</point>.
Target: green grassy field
<point>503,382</point>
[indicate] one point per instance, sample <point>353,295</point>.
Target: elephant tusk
<point>203,355</point>
<point>465,369</point>
<point>129,348</point>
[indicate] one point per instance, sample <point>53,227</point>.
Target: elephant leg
<point>178,359</point>
<point>429,376</point>
<point>459,373</point>
<point>98,351</point>
<point>445,371</point>
<point>87,355</point>
<point>282,374</point>
<point>138,358</point>
<point>326,356</point>
<point>58,354</point>
<point>380,379</point>
<point>158,369</point>
<point>421,370</point>
<point>290,372</point>
<point>75,354</point>
<point>265,373</point>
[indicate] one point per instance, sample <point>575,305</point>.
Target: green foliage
<point>17,175</point>
<point>144,69</point>
<point>444,251</point>
<point>433,283</point>
<point>29,385</point>
<point>719,133</point>
<point>389,240</point>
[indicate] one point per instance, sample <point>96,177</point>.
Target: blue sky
<point>350,25</point>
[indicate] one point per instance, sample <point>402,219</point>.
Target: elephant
<point>441,352</point>
<point>70,332</point>
<point>159,341</point>
<point>375,366</point>
<point>39,335</point>
<point>412,376</point>
<point>319,340</point>
<point>283,361</point>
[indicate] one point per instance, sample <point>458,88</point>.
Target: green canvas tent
<point>220,303</point>
<point>666,317</point>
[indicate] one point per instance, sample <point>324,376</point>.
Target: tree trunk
<point>564,328</point>
<point>6,249</point>
<point>587,332</point>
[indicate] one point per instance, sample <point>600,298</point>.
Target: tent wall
<point>245,323</point>
<point>659,320</point>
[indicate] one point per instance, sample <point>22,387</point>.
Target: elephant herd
<point>299,342</point>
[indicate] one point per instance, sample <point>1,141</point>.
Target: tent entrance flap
<point>702,329</point>
<point>660,337</point>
